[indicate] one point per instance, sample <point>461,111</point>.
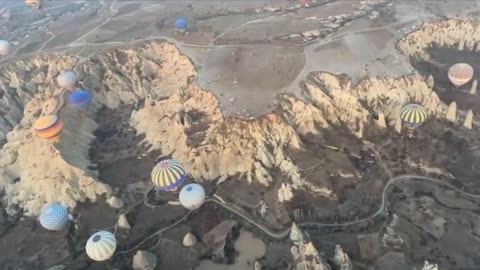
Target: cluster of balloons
<point>169,175</point>
<point>100,246</point>
<point>414,115</point>
<point>50,126</point>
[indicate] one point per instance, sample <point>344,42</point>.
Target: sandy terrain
<point>284,113</point>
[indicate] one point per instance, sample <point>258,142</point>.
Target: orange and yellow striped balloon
<point>48,127</point>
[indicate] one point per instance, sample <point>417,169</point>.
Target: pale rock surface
<point>144,260</point>
<point>123,222</point>
<point>341,259</point>
<point>468,120</point>
<point>430,81</point>
<point>115,202</point>
<point>473,89</point>
<point>68,178</point>
<point>285,193</point>
<point>381,120</point>
<point>189,240</point>
<point>444,33</point>
<point>306,256</point>
<point>295,233</point>
<point>398,125</point>
<point>429,266</point>
<point>451,112</point>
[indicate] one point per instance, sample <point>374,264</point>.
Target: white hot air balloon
<point>67,79</point>
<point>192,196</point>
<point>101,246</point>
<point>460,74</point>
<point>4,47</point>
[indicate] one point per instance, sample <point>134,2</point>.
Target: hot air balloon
<point>67,79</point>
<point>192,196</point>
<point>4,47</point>
<point>101,246</point>
<point>49,127</point>
<point>460,74</point>
<point>168,175</point>
<point>54,217</point>
<point>34,3</point>
<point>412,116</point>
<point>181,24</point>
<point>80,99</point>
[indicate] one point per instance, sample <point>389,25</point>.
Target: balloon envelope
<point>413,115</point>
<point>181,23</point>
<point>101,246</point>
<point>80,99</point>
<point>67,79</point>
<point>168,175</point>
<point>460,74</point>
<point>48,127</point>
<point>192,196</point>
<point>54,217</point>
<point>4,47</point>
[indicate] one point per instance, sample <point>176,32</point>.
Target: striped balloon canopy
<point>413,115</point>
<point>54,217</point>
<point>460,74</point>
<point>101,246</point>
<point>80,99</point>
<point>48,127</point>
<point>168,175</point>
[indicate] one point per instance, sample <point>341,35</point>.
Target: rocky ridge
<point>188,125</point>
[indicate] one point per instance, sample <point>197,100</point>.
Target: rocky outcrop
<point>285,193</point>
<point>458,32</point>
<point>468,120</point>
<point>144,260</point>
<point>429,266</point>
<point>28,89</point>
<point>189,240</point>
<point>305,255</point>
<point>341,259</point>
<point>451,113</point>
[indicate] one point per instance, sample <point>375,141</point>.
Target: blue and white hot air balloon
<point>181,24</point>
<point>101,246</point>
<point>192,196</point>
<point>80,99</point>
<point>54,217</point>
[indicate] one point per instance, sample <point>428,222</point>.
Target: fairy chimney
<point>398,125</point>
<point>473,90</point>
<point>451,112</point>
<point>468,120</point>
<point>430,82</point>
<point>381,120</point>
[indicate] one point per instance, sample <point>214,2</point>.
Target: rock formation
<point>341,259</point>
<point>144,260</point>
<point>189,240</point>
<point>305,255</point>
<point>473,89</point>
<point>443,33</point>
<point>451,112</point>
<point>123,222</point>
<point>188,126</point>
<point>285,193</point>
<point>429,266</point>
<point>468,120</point>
